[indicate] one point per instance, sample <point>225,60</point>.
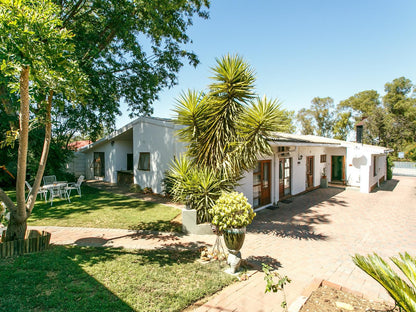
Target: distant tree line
<point>388,120</point>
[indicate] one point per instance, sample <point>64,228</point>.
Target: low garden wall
<point>34,242</point>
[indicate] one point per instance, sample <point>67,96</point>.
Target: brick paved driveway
<point>315,235</point>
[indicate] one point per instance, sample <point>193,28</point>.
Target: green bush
<point>136,188</point>
<point>390,166</point>
<point>410,152</point>
<point>231,210</point>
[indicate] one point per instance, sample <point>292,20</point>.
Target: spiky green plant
<point>403,294</point>
<point>226,129</point>
<point>197,187</point>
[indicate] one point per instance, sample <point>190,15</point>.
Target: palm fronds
<point>402,293</point>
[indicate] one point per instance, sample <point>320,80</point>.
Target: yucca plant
<point>197,187</point>
<point>226,129</point>
<point>404,294</point>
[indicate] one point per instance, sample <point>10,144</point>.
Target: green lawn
<point>68,278</point>
<point>104,210</point>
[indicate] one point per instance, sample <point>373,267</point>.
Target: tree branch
<point>23,144</point>
<point>44,156</point>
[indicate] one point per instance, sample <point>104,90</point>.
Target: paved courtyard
<point>313,236</point>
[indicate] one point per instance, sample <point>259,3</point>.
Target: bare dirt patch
<point>327,299</point>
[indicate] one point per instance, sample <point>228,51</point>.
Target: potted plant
<point>324,180</point>
<point>230,215</point>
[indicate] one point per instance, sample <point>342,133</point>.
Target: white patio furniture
<point>74,186</point>
<point>57,189</point>
<point>47,180</point>
<point>41,191</point>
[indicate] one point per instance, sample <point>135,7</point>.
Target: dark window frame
<point>144,164</point>
<point>374,165</point>
<point>323,158</point>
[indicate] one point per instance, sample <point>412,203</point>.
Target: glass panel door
<point>99,164</point>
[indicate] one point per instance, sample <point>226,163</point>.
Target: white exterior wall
<point>158,139</point>
<point>115,156</point>
<point>77,164</point>
<point>246,186</point>
<point>380,170</point>
<point>108,151</point>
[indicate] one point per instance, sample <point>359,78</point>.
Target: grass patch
<point>102,209</point>
<point>73,278</point>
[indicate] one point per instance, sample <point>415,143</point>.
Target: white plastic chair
<point>57,191</point>
<point>49,180</point>
<point>41,191</point>
<point>74,186</point>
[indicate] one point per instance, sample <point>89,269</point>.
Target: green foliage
<point>363,102</point>
<point>198,188</point>
<point>410,152</point>
<point>342,126</point>
<point>318,119</point>
<point>231,211</point>
<point>271,286</point>
<point>136,188</point>
<point>389,121</point>
<point>130,51</point>
<point>390,166</point>
<point>404,294</point>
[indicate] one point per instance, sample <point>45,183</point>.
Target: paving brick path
<point>314,236</point>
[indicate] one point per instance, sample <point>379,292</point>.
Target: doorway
<point>99,164</point>
<point>285,173</point>
<point>337,169</point>
<point>262,183</point>
<point>309,171</point>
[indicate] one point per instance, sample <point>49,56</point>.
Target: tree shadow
<point>387,186</point>
<point>65,278</point>
<point>297,218</point>
<point>53,280</point>
<point>257,262</point>
<point>92,200</point>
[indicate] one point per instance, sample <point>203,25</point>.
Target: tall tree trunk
<point>18,216</point>
<point>44,156</point>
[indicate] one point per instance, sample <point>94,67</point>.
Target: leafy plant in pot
<point>231,214</point>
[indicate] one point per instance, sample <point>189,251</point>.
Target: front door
<point>309,171</point>
<point>99,164</point>
<point>262,184</point>
<point>285,171</point>
<point>337,168</point>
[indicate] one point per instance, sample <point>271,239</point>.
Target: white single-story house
<point>141,152</point>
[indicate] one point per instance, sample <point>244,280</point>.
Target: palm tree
<point>226,129</point>
<point>403,294</point>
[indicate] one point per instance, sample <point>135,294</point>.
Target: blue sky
<point>303,49</point>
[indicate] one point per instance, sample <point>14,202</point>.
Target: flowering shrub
<point>231,210</point>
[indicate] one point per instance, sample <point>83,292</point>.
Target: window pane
<point>144,161</point>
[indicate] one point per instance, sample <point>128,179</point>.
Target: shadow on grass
<point>58,279</point>
<point>92,199</point>
<point>54,281</point>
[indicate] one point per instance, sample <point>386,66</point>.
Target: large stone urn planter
<point>234,239</point>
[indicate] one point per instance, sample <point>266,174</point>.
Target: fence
<point>34,242</point>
